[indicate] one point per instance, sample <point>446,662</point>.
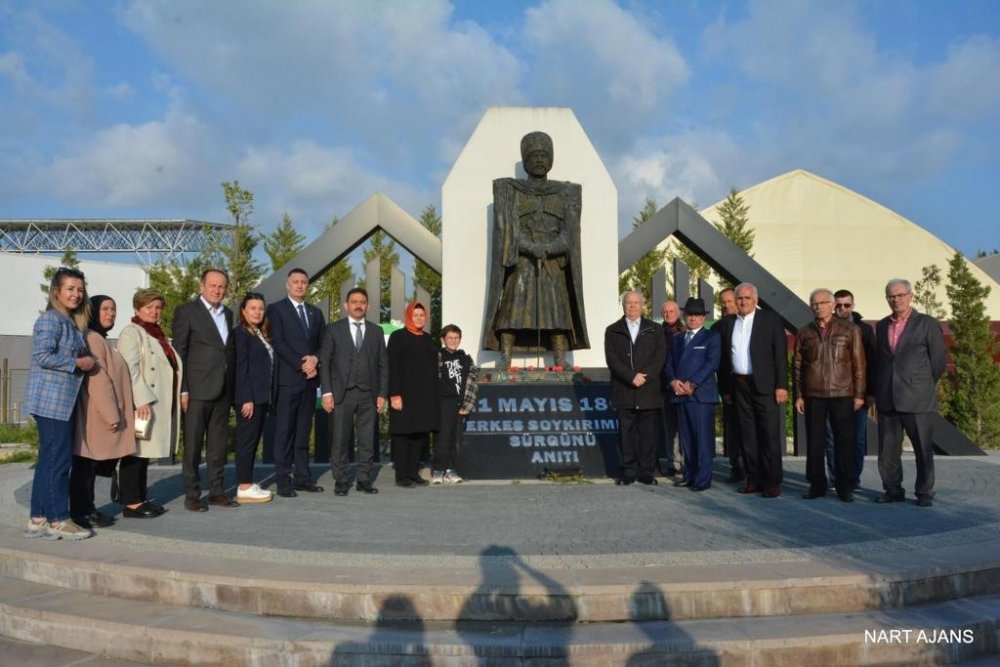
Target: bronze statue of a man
<point>536,293</point>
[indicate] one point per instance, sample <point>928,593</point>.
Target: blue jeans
<point>50,487</point>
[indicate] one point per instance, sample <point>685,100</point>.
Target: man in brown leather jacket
<point>829,383</point>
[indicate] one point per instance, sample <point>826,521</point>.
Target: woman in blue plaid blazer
<point>59,358</point>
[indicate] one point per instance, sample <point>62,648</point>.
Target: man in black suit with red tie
<point>754,368</point>
<point>202,331</point>
<point>296,331</point>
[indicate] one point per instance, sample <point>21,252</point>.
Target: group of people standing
<point>666,380</point>
<point>109,410</point>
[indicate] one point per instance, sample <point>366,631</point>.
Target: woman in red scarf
<point>413,394</point>
<point>156,370</point>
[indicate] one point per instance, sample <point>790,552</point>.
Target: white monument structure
<point>493,151</point>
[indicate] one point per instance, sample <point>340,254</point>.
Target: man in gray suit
<point>201,332</point>
<point>354,376</point>
<point>909,359</point>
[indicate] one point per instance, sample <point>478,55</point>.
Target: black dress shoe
<point>846,497</point>
<point>341,489</point>
<point>194,505</point>
<point>749,488</point>
<point>311,487</point>
<point>648,481</point>
<point>682,482</point>
<point>405,483</point>
<point>83,522</point>
<point>143,511</point>
<point>222,500</point>
<point>419,481</point>
<point>924,502</point>
<point>624,481</point>
<point>100,519</point>
<point>669,472</point>
<point>288,493</point>
<point>886,498</point>
<point>160,509</point>
<point>699,488</point>
<point>809,495</point>
<point>364,488</point>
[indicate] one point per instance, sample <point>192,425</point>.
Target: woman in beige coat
<point>156,370</point>
<point>104,425</point>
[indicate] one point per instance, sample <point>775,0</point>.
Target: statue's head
<point>537,153</point>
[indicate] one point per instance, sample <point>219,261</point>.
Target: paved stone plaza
<point>606,568</point>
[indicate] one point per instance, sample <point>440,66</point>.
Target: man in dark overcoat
<point>635,351</point>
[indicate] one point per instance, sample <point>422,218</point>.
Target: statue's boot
<point>506,351</point>
<point>560,345</point>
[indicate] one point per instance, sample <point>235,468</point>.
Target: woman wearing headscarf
<point>413,394</point>
<point>155,369</point>
<point>59,358</point>
<point>254,363</point>
<point>105,425</point>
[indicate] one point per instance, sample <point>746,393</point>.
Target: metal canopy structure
<point>149,240</point>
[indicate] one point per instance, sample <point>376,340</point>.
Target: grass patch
<point>26,433</point>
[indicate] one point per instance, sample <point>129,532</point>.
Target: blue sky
<point>141,109</point>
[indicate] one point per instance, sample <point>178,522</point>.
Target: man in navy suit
<point>909,360</point>
<point>202,337</point>
<point>754,367</point>
<point>690,374</point>
<point>296,330</point>
<point>354,370</point>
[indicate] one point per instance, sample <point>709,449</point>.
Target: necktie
<point>687,338</point>
<point>357,336</point>
<point>302,317</point>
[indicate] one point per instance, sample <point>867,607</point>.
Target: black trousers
<point>406,448</point>
<point>293,414</point>
<point>639,431</point>
<point>890,449</point>
<point>248,432</point>
<point>731,437</point>
<point>354,414</point>
<point>81,486</point>
<point>762,433</point>
<point>133,473</point>
<point>203,418</point>
<point>840,412</point>
<point>446,440</point>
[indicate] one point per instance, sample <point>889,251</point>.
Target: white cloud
<point>601,60</point>
<point>120,91</point>
<point>157,162</point>
<point>964,85</point>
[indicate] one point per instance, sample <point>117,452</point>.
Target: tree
<point>640,275</point>
<point>382,246</point>
<point>973,398</point>
<point>734,214</point>
<point>284,243</point>
<point>236,256</point>
<point>424,275</point>
<point>327,287</point>
<point>67,260</point>
<point>925,292</point>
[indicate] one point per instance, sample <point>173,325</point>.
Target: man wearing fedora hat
<point>690,372</point>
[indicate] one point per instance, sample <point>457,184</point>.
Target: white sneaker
<point>67,530</point>
<point>437,477</point>
<point>254,494</point>
<point>453,477</point>
<point>34,530</point>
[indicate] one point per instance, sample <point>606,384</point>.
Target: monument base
<point>525,428</point>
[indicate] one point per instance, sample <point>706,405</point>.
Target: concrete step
<point>511,590</point>
<point>162,634</point>
<point>30,654</point>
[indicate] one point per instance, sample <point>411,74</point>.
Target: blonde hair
<point>81,314</point>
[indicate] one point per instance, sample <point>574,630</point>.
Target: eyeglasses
<point>890,297</point>
<point>844,306</point>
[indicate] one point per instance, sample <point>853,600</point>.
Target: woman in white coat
<point>156,370</point>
